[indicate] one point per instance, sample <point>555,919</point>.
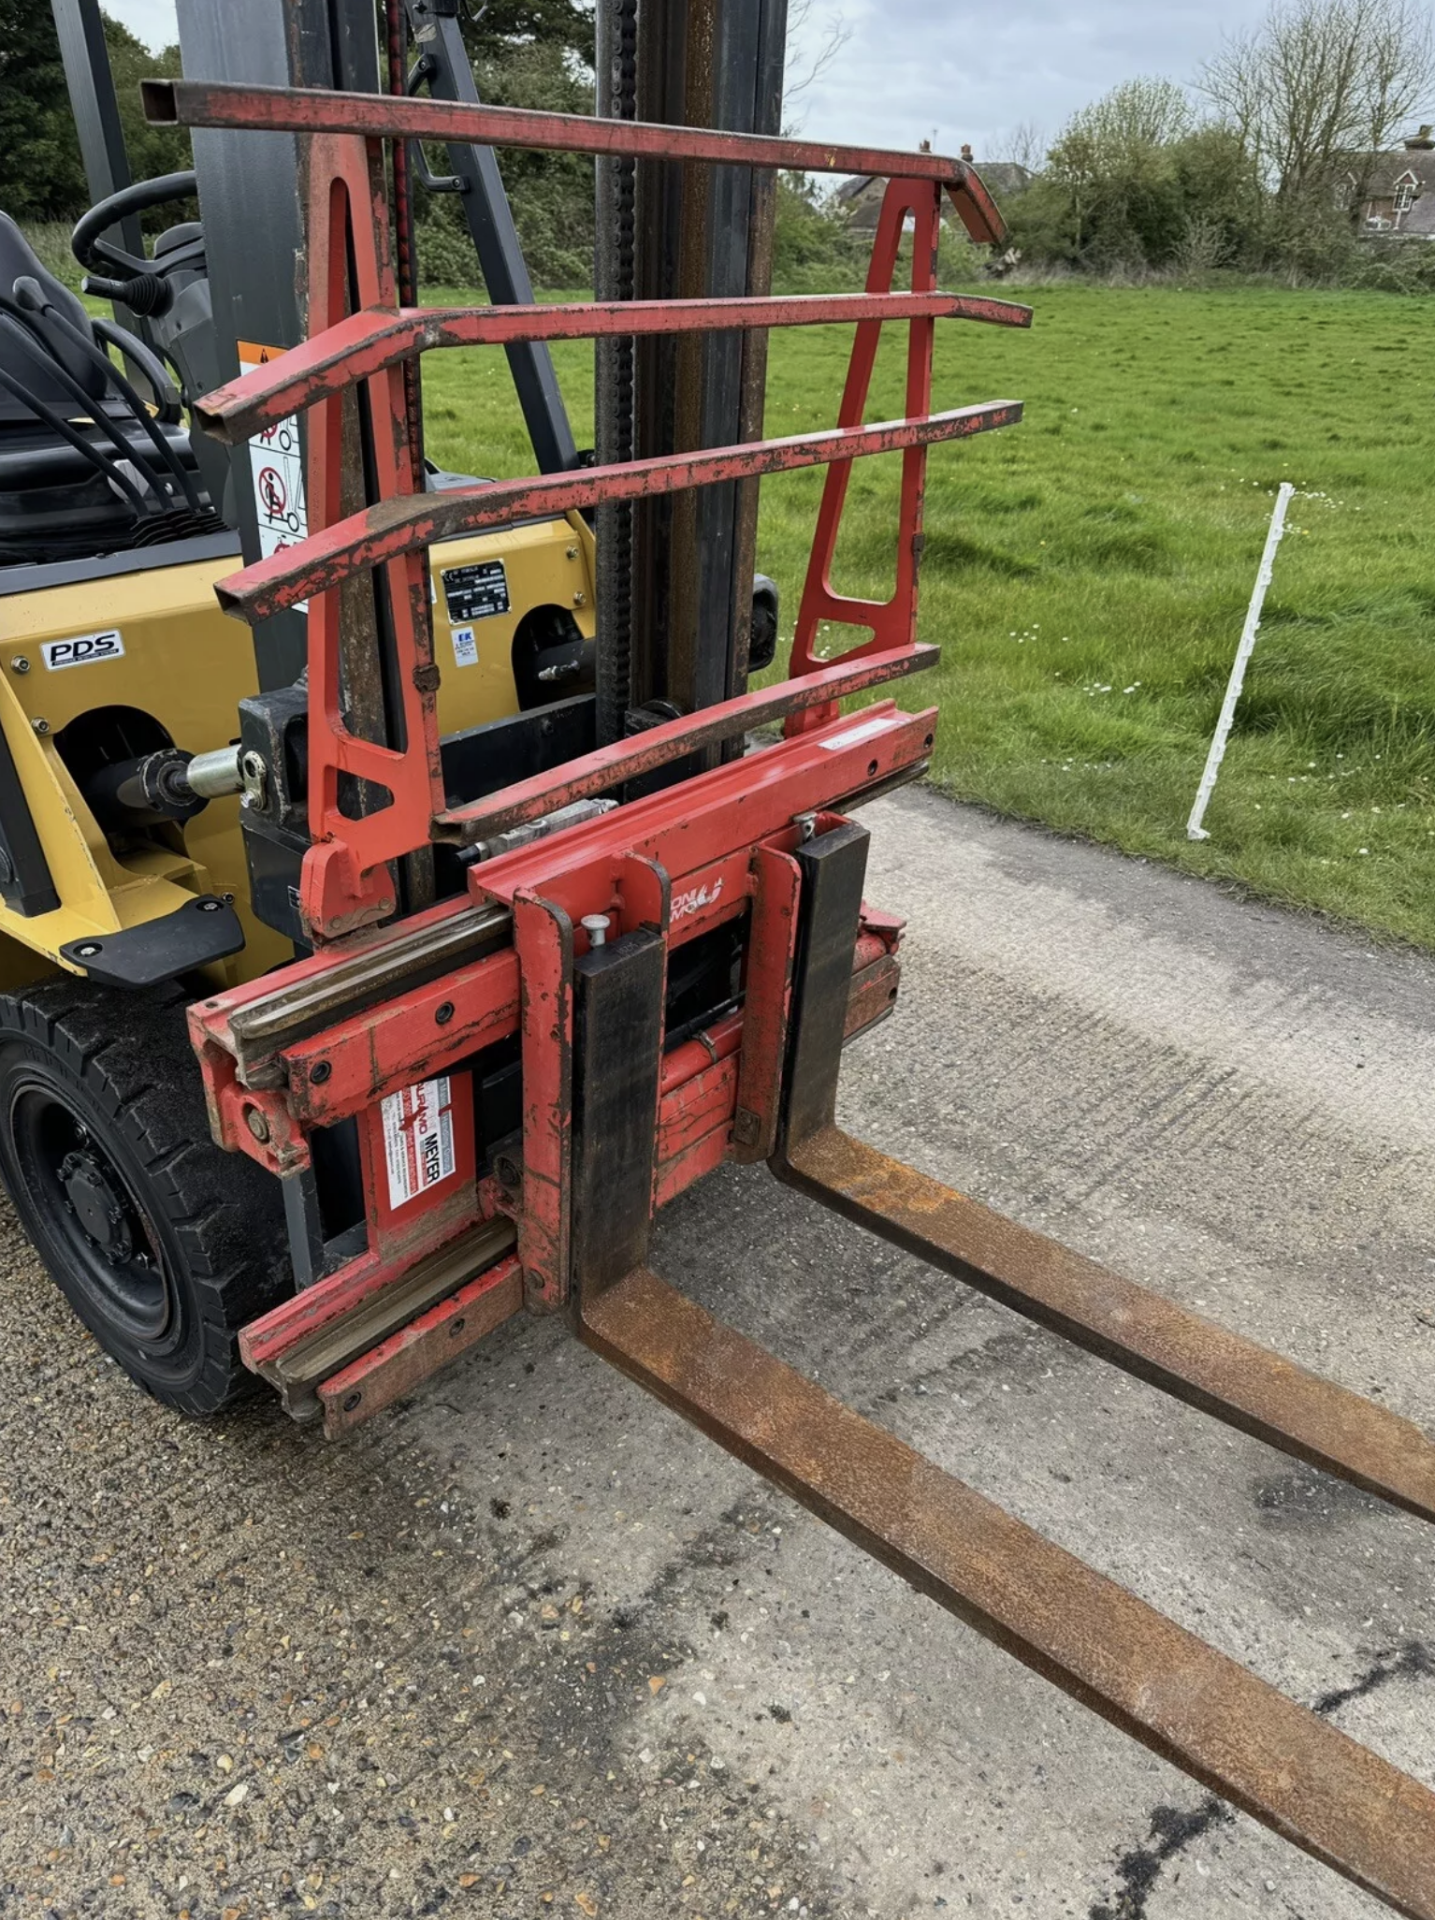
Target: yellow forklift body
<point>170,653</point>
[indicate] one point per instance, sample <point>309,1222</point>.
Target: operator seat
<point>60,500</point>
<point>17,260</point>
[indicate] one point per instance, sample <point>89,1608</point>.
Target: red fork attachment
<point>562,962</point>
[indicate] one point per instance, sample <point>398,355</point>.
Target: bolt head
<point>40,726</point>
<point>19,664</point>
<point>257,1124</point>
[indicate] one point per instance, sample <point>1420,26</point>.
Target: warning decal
<point>276,466</point>
<point>418,1139</point>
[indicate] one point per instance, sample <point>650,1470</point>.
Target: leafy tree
<point>814,248</point>
<point>1113,165</point>
<point>43,179</point>
<point>152,150</point>
<point>551,193</point>
<point>503,26</point>
<point>1136,181</point>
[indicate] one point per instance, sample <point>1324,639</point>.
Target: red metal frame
<point>216,103</point>
<point>366,343</point>
<point>594,773</point>
<point>683,860</point>
<point>406,523</point>
<point>893,622</point>
<point>347,879</point>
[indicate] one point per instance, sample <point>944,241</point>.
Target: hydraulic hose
<point>35,302</point>
<point>94,412</point>
<point>58,424</point>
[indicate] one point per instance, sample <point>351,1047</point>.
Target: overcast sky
<point>932,69</point>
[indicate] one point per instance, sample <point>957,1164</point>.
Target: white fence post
<point>1194,829</point>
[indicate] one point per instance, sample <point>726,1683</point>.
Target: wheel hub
<point>98,1208</point>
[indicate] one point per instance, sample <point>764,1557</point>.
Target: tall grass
<point>51,241</point>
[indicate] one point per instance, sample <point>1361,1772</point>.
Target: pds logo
<point>83,649</point>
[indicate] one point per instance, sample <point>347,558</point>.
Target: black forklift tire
<point>163,1244</point>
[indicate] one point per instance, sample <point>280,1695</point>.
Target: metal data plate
<point>477,592</point>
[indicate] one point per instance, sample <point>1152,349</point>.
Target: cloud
<point>152,21</point>
<point>928,69</point>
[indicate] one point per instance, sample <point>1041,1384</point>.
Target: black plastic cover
<point>203,929</point>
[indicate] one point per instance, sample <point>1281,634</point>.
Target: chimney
<point>967,152</point>
<point>1421,142</point>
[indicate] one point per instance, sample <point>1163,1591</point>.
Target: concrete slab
<point>528,1645</point>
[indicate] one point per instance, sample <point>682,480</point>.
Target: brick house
<point>1399,190</point>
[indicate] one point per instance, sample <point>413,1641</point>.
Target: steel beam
<point>199,103</point>
<point>660,746</point>
<point>404,523</point>
<point>365,344</point>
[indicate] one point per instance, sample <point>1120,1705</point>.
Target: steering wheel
<point>137,285</point>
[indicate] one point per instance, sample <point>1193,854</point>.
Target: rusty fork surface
<point>1145,1334</point>
<point>1187,1702</point>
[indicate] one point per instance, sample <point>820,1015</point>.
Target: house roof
<point>998,176</point>
<point>1414,164</point>
<point>1004,176</point>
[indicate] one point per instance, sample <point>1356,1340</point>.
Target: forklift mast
<point>674,602</point>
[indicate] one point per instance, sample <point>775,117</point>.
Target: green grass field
<point>1086,573</point>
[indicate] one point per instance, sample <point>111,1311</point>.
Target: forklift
<point>538,981</point>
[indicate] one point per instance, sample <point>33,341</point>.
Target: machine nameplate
<point>477,592</point>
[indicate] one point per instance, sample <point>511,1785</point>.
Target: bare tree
<point>1025,143</point>
<point>1323,86</point>
<point>813,43</point>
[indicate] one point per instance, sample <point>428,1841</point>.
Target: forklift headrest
<point>18,261</point>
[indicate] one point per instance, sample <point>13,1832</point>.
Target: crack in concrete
<point>1412,1661</point>
<point>1173,1829</point>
